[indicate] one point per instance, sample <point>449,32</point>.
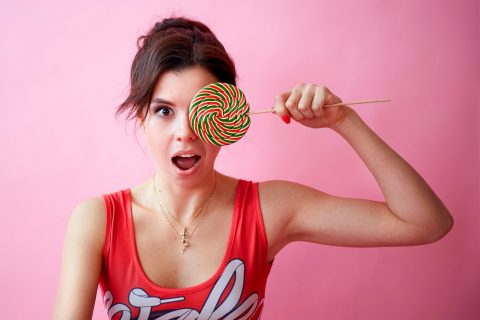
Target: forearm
<point>406,193</point>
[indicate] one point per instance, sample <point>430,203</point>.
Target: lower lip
<point>189,172</point>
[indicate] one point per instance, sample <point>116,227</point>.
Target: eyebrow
<point>160,100</point>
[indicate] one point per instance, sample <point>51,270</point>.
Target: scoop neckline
<point>196,287</point>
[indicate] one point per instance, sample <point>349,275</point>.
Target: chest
<point>159,247</point>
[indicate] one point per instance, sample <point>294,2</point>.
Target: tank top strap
<point>116,220</point>
<point>250,235</point>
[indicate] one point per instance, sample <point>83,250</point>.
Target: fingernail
<point>286,119</point>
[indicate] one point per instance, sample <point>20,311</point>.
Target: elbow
<point>443,229</point>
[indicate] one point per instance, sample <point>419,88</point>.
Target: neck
<point>181,202</point>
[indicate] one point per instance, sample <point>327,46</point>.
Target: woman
<point>192,243</point>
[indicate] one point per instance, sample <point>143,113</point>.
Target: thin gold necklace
<point>184,236</point>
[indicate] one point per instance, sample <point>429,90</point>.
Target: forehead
<point>182,85</point>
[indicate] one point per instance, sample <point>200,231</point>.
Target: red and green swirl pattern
<point>218,114</point>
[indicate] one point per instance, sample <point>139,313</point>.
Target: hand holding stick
<point>330,105</point>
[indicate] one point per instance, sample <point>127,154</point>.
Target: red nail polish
<point>286,119</point>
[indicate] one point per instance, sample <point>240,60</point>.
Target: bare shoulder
<point>92,206</point>
<point>288,190</point>
<point>278,199</point>
<point>282,197</point>
<point>87,221</point>
<point>81,260</point>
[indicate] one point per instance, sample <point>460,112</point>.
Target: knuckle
<point>299,86</point>
<point>278,97</point>
<point>324,90</point>
<point>320,93</point>
<point>302,106</point>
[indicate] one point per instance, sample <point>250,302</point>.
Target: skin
<point>411,215</point>
<point>167,131</point>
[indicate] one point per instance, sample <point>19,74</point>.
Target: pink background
<point>64,68</point>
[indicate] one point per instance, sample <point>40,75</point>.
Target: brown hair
<point>173,44</point>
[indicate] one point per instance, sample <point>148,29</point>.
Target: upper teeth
<point>186,155</point>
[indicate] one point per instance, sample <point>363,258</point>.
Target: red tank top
<point>235,291</point>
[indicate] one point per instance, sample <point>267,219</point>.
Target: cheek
<point>213,152</point>
<point>157,129</point>
<point>156,140</point>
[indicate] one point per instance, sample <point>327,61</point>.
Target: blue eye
<point>164,111</point>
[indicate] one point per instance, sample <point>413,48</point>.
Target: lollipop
<point>218,114</point>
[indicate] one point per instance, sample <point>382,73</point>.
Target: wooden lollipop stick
<point>330,105</point>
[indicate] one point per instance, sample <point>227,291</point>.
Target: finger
<point>292,102</point>
<point>280,108</point>
<point>330,98</point>
<point>318,101</point>
<point>305,103</point>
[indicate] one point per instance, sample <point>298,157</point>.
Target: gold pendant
<point>184,235</point>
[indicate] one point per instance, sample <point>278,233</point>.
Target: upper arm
<point>81,261</point>
<point>311,215</point>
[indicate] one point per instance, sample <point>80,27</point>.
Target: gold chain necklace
<point>184,235</point>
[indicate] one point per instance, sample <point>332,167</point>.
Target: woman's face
<point>168,130</point>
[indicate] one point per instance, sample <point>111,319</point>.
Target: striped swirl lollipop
<point>218,114</point>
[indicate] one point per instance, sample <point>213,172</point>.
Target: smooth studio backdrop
<point>65,67</point>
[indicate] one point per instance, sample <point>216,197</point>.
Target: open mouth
<point>185,162</point>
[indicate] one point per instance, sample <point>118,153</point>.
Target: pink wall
<point>64,68</point>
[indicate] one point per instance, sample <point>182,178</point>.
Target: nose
<point>184,132</point>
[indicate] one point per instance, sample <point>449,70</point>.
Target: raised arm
<point>411,215</point>
<point>81,261</point>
